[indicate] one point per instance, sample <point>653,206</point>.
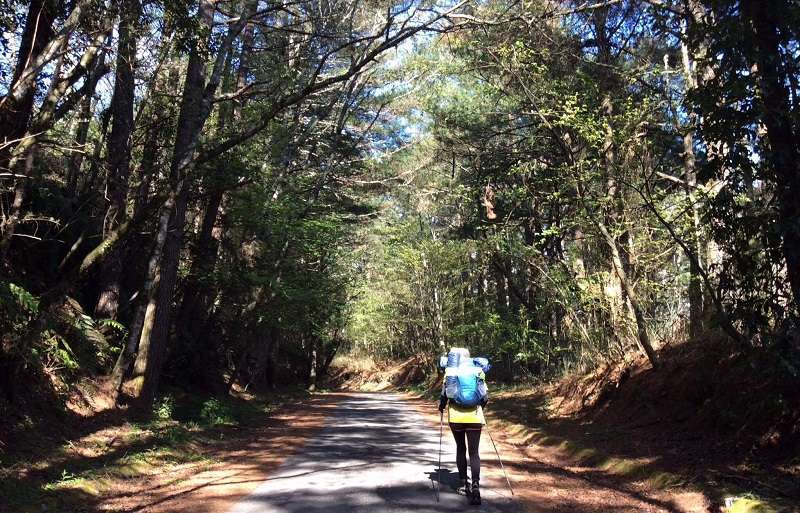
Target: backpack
<point>464,381</point>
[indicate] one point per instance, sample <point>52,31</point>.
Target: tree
<point>119,154</point>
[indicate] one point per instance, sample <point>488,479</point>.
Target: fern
<point>84,322</point>
<point>23,298</point>
<point>115,325</point>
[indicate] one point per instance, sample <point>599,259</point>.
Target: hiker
<point>465,415</point>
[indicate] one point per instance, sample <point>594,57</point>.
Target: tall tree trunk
<point>198,291</point>
<point>156,339</point>
<point>776,114</point>
<point>622,315</point>
<point>144,316</point>
<point>695,289</point>
<point>196,104</point>
<point>119,157</point>
<point>153,339</point>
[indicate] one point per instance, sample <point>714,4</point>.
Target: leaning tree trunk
<point>620,259</point>
<point>54,106</point>
<point>152,342</point>
<point>619,268</point>
<point>156,339</point>
<point>196,104</point>
<point>16,111</point>
<point>142,325</point>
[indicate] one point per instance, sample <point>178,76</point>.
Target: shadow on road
<point>376,454</point>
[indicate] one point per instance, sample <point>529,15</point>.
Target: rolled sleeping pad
<point>483,363</point>
<point>457,356</point>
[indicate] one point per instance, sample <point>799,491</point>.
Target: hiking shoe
<point>466,488</point>
<point>475,495</point>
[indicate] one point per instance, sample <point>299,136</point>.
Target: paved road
<point>376,454</point>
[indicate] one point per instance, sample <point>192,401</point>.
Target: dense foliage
<point>176,180</point>
<point>592,180</point>
<point>223,192</point>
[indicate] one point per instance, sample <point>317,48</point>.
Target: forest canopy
<point>216,193</point>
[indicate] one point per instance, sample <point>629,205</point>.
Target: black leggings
<point>467,434</point>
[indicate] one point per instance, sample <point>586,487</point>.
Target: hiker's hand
<point>484,403</point>
<point>441,408</point>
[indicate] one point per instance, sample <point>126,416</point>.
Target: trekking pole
<point>499,459</point>
<point>439,468</point>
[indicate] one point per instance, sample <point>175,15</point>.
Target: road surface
<point>375,454</point>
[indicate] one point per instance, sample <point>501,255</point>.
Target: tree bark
<point>16,111</point>
<point>196,105</point>
<point>119,157</point>
<point>145,313</point>
<point>695,289</point>
<point>783,153</point>
<point>619,268</point>
<point>79,147</point>
<point>697,298</point>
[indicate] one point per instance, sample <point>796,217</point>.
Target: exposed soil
<point>372,376</point>
<point>207,476</point>
<point>703,420</point>
<point>242,461</point>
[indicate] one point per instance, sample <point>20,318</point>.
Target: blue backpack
<point>464,382</point>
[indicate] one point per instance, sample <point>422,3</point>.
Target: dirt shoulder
<point>164,467</point>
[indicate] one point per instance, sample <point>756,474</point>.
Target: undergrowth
<point>82,471</point>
